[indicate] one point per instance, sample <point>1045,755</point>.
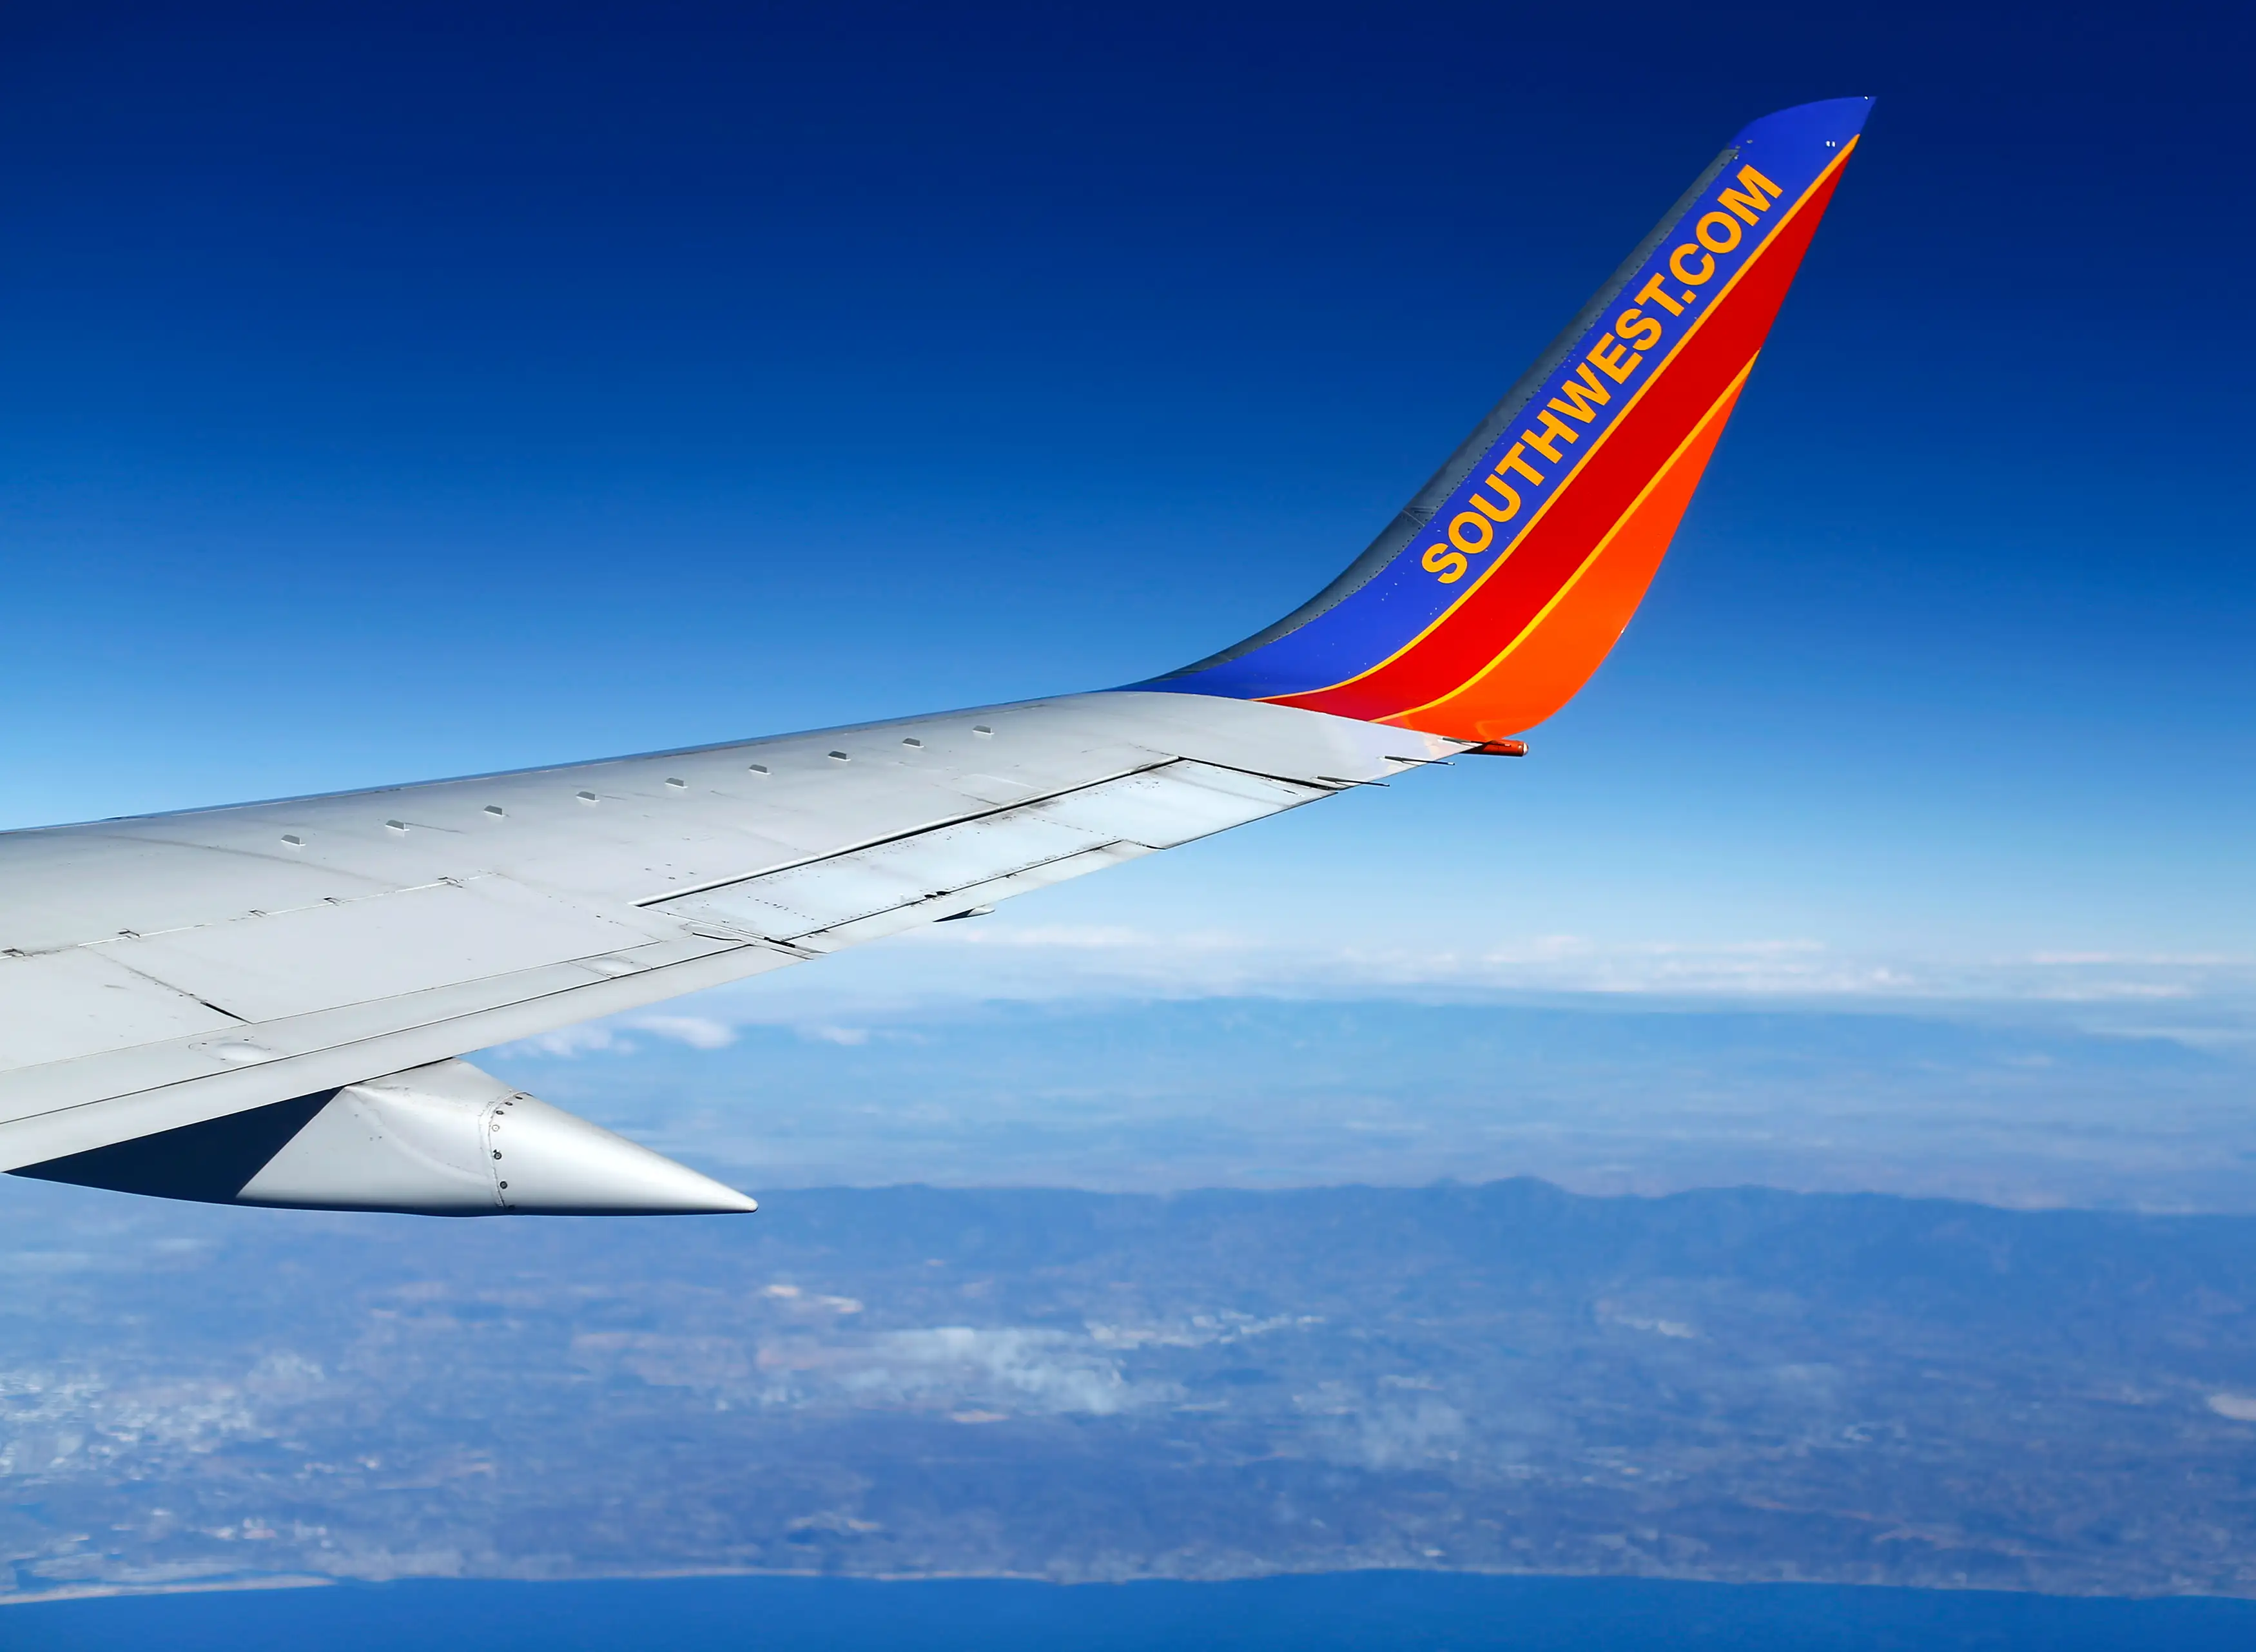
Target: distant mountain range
<point>1735,1385</point>
<point>2024,1109</point>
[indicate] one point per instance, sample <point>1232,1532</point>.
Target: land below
<point>1739,1386</point>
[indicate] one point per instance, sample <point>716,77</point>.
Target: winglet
<point>1497,592</point>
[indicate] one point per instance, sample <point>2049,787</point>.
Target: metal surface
<point>167,970</point>
<point>449,1139</point>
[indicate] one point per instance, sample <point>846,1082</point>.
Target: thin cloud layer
<point>2202,998</point>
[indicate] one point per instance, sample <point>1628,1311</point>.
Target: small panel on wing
<point>266,966</point>
<point>56,1005</point>
<point>997,855</point>
<point>1164,807</point>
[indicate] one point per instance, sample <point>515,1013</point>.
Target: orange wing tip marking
<point>1543,667</point>
<point>1500,748</point>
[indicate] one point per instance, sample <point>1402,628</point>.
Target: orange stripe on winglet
<point>1542,668</point>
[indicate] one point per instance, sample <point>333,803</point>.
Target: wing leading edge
<point>264,1004</point>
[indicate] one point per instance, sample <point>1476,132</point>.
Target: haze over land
<point>826,1079</point>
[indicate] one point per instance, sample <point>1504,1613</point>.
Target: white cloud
<point>1049,961</point>
<point>1000,1370</point>
<point>2205,996</point>
<point>586,1039</point>
<point>1041,1370</point>
<point>608,1037</point>
<point>1393,1436</point>
<point>699,1032</point>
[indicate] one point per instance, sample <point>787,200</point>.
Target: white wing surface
<point>160,973</point>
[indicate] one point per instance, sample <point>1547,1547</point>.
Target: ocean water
<point>1344,1611</point>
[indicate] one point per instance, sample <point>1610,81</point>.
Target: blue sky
<point>395,391</point>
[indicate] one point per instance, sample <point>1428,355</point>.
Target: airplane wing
<point>266,1003</point>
